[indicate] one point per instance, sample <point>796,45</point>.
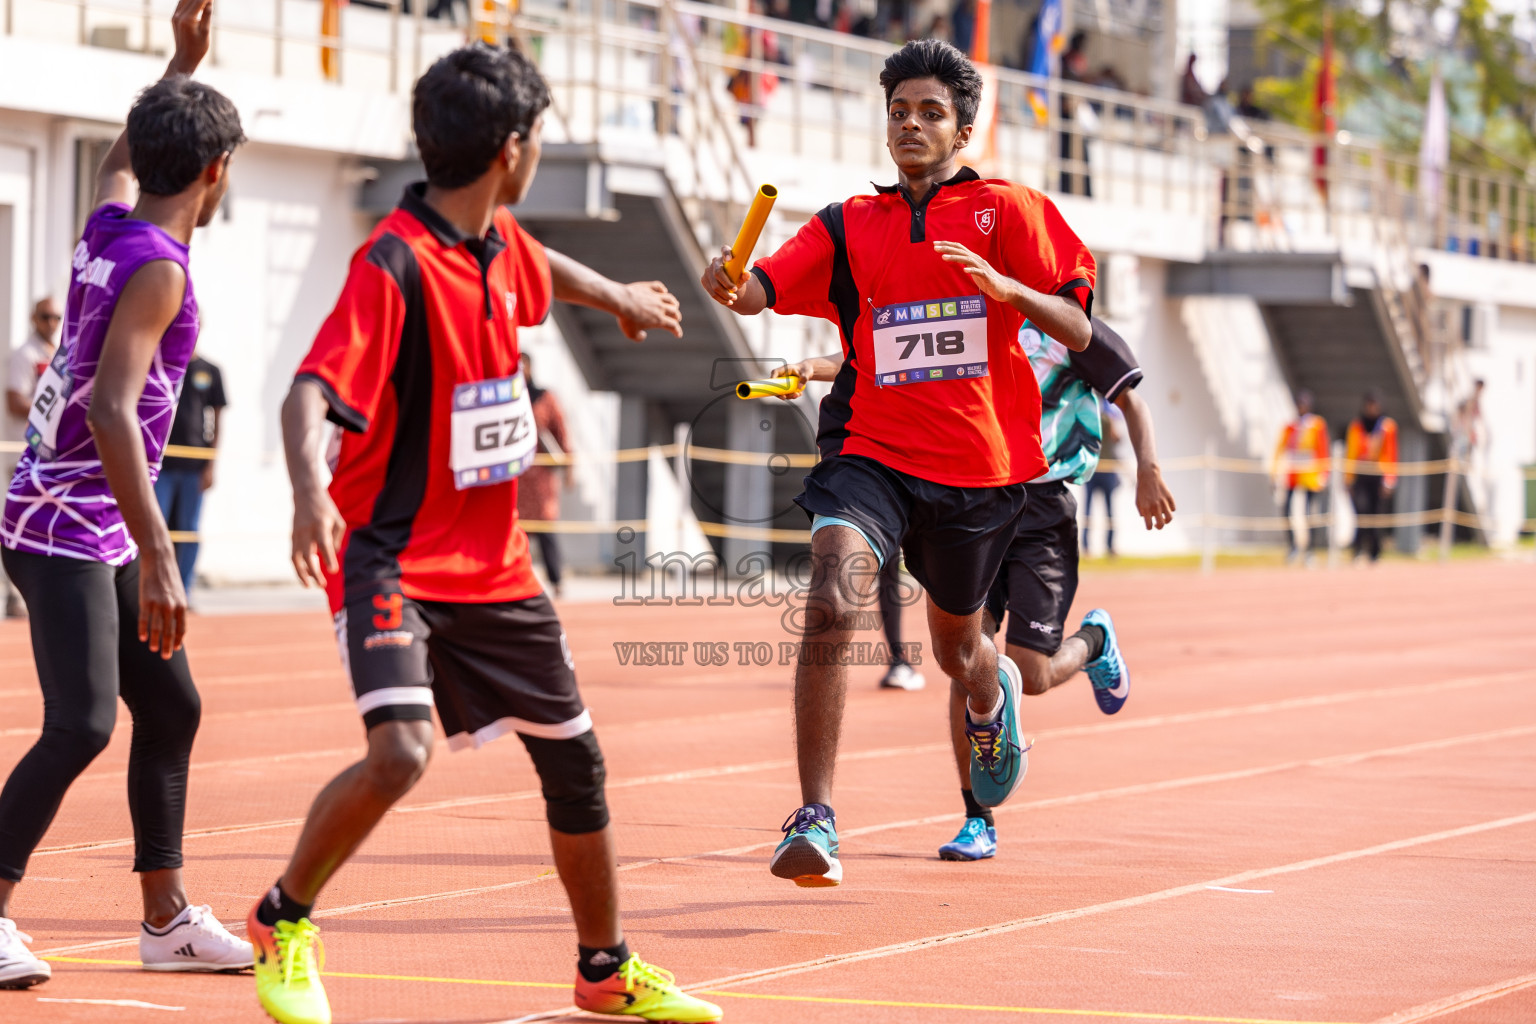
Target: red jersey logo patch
<point>985,219</point>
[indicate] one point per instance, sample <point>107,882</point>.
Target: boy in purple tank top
<point>81,533</point>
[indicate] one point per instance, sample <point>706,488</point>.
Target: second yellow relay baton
<point>751,227</point>
<point>769,388</point>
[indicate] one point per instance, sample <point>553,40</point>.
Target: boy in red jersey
<point>417,541</point>
<point>933,423</point>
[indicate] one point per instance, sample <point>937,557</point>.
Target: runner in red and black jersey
<point>418,543</point>
<point>933,423</point>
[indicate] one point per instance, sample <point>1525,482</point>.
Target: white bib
<point>936,339</point>
<point>48,400</point>
<point>493,439</point>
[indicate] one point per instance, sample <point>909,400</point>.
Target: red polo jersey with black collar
<point>425,309</point>
<point>934,382</point>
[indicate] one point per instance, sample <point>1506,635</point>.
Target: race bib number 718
<point>936,339</point>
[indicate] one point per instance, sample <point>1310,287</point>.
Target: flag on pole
<point>330,34</point>
<point>1434,148</point>
<point>1043,61</point>
<point>1324,108</point>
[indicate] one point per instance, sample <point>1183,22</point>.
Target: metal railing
<point>724,81</point>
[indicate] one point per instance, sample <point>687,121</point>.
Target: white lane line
<point>1155,721</point>
<point>1006,927</point>
<point>1228,888</point>
<point>1460,1001</point>
<point>1062,801</point>
<point>130,1003</point>
<point>1143,788</point>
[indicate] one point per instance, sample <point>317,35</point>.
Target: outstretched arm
<point>1154,502</point>
<point>1058,316</point>
<point>638,307</point>
<point>148,306</point>
<point>192,25</point>
<point>814,368</point>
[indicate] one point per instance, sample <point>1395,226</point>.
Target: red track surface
<point>1354,751</point>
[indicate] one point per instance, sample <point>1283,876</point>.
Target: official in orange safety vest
<point>1301,464</point>
<point>1371,448</point>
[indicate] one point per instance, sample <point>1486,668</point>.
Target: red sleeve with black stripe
<point>535,287</point>
<point>354,352</point>
<point>798,277</point>
<point>1042,251</point>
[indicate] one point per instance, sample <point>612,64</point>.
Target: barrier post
<point>1448,504</point>
<point>1338,494</point>
<point>1208,511</point>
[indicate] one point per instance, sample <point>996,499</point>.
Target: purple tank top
<point>59,502</point>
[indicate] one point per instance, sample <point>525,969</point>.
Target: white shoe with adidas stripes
<point>194,941</point>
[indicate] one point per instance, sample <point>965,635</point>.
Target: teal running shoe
<point>977,841</point>
<point>999,756</point>
<point>1111,679</point>
<point>808,854</point>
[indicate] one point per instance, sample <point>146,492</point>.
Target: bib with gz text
<point>936,339</point>
<point>493,439</point>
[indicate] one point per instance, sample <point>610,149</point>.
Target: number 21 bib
<point>935,339</point>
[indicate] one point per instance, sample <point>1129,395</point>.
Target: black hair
<point>177,127</point>
<point>467,105</point>
<point>1371,395</point>
<point>934,58</point>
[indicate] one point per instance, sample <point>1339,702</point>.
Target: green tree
<point>1385,54</point>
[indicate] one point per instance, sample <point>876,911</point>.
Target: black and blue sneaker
<point>1111,679</point>
<point>808,854</point>
<point>999,756</point>
<point>977,841</point>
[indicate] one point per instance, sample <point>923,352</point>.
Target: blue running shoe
<point>999,757</point>
<point>977,841</point>
<point>1111,679</point>
<point>808,853</point>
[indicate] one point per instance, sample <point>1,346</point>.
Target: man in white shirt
<point>25,364</point>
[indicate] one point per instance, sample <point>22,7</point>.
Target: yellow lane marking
<point>975,1008</point>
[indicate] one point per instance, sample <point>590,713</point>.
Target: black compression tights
<point>85,621</point>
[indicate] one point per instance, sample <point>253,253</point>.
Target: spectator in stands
<point>962,18</point>
<point>23,368</point>
<point>1248,107</point>
<point>1104,481</point>
<point>1301,464</point>
<point>1371,450</point>
<point>538,492</point>
<point>184,480</point>
<point>1078,119</point>
<point>1190,89</point>
<point>752,88</point>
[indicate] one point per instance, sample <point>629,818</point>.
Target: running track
<point>1319,805</point>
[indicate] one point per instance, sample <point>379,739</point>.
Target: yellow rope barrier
<point>802,460</point>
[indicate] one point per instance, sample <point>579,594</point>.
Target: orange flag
<point>330,30</point>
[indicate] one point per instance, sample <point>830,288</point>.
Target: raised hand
<point>192,25</point>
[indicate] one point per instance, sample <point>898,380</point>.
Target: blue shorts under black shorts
<point>954,538</point>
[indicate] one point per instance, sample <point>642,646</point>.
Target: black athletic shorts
<point>954,538</point>
<point>1039,577</point>
<point>489,668</point>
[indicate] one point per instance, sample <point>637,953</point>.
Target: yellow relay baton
<point>769,388</point>
<point>751,227</point>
